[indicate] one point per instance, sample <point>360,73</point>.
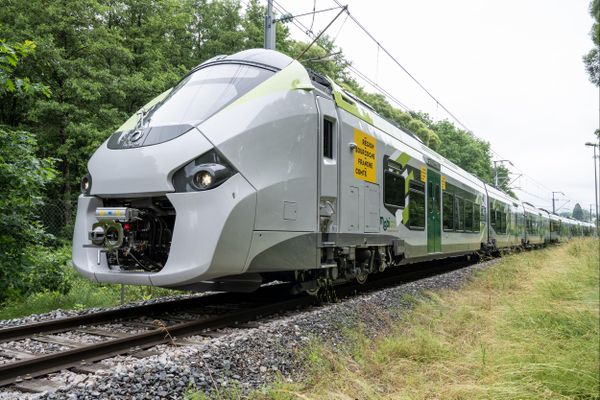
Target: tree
<point>592,58</point>
<point>22,178</point>
<point>578,212</point>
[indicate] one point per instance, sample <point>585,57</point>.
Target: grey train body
<point>253,169</point>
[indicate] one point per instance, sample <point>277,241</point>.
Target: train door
<point>328,167</point>
<point>434,225</point>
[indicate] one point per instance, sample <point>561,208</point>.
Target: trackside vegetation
<point>526,328</point>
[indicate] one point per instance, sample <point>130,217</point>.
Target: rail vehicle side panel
<point>506,226</point>
<point>455,238</point>
<point>356,193</point>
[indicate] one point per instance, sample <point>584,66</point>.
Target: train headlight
<point>86,184</point>
<point>203,179</point>
<point>205,172</point>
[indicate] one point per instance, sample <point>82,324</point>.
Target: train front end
<point>162,205</point>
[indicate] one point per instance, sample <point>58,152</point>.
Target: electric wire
<point>361,26</point>
<point>376,86</point>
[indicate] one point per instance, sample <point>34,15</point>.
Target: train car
<point>565,231</point>
<point>549,228</point>
<point>534,226</point>
<point>506,229</point>
<point>555,229</point>
<point>253,168</point>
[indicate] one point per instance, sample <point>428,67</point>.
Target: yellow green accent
<point>351,108</point>
<point>405,215</point>
<point>292,77</point>
<point>405,212</point>
<point>132,121</point>
<point>403,159</point>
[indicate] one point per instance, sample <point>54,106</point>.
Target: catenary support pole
<point>269,27</point>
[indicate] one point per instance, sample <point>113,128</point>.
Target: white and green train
<point>253,168</point>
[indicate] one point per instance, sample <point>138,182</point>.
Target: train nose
<point>143,170</point>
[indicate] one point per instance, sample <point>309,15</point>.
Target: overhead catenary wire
<point>355,70</point>
<point>386,93</point>
<point>321,33</point>
<point>395,60</point>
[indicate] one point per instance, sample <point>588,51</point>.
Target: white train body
<point>252,167</point>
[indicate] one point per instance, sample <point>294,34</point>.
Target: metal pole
<point>596,185</point>
<point>553,207</point>
<point>269,27</point>
<point>496,174</point>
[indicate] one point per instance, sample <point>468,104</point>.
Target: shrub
<point>22,180</point>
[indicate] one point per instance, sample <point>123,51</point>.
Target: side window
<point>476,217</point>
<point>327,138</point>
<point>448,211</point>
<point>394,189</point>
<point>468,216</point>
<point>459,222</point>
<point>493,218</point>
<point>416,205</point>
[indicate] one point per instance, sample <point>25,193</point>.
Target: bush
<point>22,180</point>
<point>50,272</point>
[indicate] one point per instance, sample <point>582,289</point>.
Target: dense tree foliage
<point>592,58</point>
<point>578,212</point>
<point>23,177</point>
<point>103,59</point>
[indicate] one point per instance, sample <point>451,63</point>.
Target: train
<point>255,169</point>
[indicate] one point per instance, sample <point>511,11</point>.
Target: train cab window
<point>448,210</point>
<point>459,222</point>
<point>327,138</point>
<point>204,92</point>
<point>394,186</point>
<point>476,217</point>
<point>416,205</point>
<point>468,216</point>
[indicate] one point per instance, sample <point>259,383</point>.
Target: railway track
<point>202,316</point>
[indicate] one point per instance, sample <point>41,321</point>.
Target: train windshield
<point>204,92</point>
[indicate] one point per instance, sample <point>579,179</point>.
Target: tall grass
<point>526,328</point>
<point>83,294</point>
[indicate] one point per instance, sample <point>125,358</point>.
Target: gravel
<point>244,358</point>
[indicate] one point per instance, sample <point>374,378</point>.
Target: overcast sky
<point>511,71</point>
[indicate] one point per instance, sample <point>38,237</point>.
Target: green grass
<point>83,294</point>
<point>526,328</point>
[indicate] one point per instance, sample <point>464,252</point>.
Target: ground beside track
<point>526,329</point>
<point>245,359</point>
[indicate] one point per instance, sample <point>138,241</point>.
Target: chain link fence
<point>58,218</point>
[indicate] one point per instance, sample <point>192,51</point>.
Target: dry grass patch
<point>526,328</point>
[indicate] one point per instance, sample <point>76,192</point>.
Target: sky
<point>510,71</point>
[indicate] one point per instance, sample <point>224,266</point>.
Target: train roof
<point>268,58</point>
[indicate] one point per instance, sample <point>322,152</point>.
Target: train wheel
<point>361,278</point>
<point>313,292</point>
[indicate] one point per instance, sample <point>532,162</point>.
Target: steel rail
<point>35,367</point>
<point>62,324</point>
<point>30,368</point>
